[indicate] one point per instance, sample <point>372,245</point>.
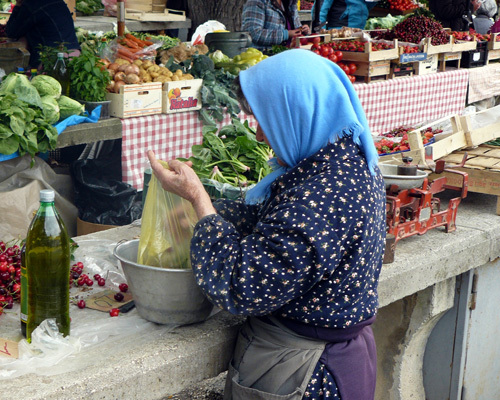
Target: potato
<point>187,76</point>
<point>121,61</point>
<point>178,73</point>
<point>138,62</point>
<point>154,75</point>
<point>153,68</point>
<point>147,63</point>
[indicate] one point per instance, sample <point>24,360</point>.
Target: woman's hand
<point>293,33</point>
<point>181,180</point>
<point>305,30</point>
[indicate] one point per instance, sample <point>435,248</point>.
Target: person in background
<point>272,22</point>
<point>335,14</point>
<point>42,22</point>
<point>454,14</point>
<point>484,16</point>
<point>300,256</point>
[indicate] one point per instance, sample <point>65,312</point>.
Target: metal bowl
<point>391,177</point>
<point>161,295</point>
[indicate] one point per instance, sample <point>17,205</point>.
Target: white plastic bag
<point>207,27</point>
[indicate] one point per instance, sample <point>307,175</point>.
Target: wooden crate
<point>369,55</point>
<point>482,167</point>
<point>447,57</point>
<point>493,55</point>
<point>442,48</point>
<point>456,140</point>
<point>146,5</point>
<point>324,38</point>
<point>373,69</point>
<point>166,15</point>
<point>493,43</point>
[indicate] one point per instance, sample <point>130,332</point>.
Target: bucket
<point>230,43</point>
<point>162,295</point>
<point>91,105</point>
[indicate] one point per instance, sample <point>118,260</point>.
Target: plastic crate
<point>475,58</point>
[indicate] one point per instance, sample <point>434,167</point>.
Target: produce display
<point>415,28</point>
<point>238,63</point>
<point>10,274</point>
<point>398,5</point>
<point>233,155</point>
<point>26,116</point>
<point>396,140</point>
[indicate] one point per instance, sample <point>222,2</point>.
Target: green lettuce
<point>20,86</point>
<point>47,86</point>
<point>69,107</point>
<point>50,109</point>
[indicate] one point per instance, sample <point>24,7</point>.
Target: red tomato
<point>339,55</point>
<point>316,40</point>
<point>345,68</point>
<point>333,58</point>
<point>352,78</point>
<point>304,41</point>
<point>352,68</point>
<point>324,51</point>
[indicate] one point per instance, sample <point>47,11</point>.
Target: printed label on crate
<point>181,96</point>
<point>178,103</point>
<point>412,57</point>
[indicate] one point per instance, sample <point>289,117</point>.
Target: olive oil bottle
<point>47,257</point>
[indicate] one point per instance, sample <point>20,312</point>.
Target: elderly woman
<point>301,255</point>
<point>272,22</point>
<point>484,16</point>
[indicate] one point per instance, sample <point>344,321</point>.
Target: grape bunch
<point>10,274</point>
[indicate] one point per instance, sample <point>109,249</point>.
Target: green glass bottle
<point>24,291</point>
<point>61,73</point>
<point>48,259</point>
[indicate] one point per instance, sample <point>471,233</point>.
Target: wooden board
<point>146,5</point>
<point>494,44</point>
<point>166,15</point>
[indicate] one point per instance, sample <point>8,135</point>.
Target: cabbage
<point>69,107</point>
<point>50,109</point>
<point>47,86</point>
<point>219,57</point>
<point>20,86</point>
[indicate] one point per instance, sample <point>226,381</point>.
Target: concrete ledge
<point>162,362</point>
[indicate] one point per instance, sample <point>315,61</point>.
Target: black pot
<point>90,105</point>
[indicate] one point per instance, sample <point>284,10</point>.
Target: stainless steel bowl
<point>161,295</point>
<point>391,177</point>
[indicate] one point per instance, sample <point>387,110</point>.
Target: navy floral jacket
<point>312,253</point>
<point>266,24</point>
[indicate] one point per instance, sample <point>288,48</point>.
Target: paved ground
<point>210,389</point>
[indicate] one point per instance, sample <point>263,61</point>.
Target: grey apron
<point>271,362</point>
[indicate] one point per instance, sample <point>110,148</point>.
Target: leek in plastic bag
<point>166,229</point>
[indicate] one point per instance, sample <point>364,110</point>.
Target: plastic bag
<point>207,27</point>
<point>166,229</point>
<point>110,51</point>
<point>110,8</point>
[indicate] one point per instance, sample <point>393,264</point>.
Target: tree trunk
<point>227,12</point>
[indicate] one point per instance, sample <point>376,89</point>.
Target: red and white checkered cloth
<point>413,100</point>
<point>484,82</point>
<point>169,135</point>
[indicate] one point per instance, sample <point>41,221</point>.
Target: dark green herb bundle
<point>233,155</point>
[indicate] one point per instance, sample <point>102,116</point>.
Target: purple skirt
<point>350,356</point>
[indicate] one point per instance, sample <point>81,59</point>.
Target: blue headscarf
<point>302,102</point>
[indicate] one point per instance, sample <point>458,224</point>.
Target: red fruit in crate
<point>304,41</point>
<point>316,40</point>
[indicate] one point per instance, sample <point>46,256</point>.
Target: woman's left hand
<point>306,30</point>
<point>181,180</point>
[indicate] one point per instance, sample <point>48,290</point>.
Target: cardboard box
<point>85,228</point>
<point>179,96</point>
<point>429,66</point>
<point>136,100</point>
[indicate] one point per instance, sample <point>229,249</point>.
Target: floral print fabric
<point>311,253</point>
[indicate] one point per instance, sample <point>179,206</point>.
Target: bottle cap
<point>47,195</point>
<point>60,55</point>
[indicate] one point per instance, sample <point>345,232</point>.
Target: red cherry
<point>114,312</point>
<point>81,304</point>
<point>123,287</point>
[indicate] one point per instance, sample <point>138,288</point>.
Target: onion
<point>131,69</point>
<point>113,66</point>
<point>118,85</point>
<point>119,76</point>
<point>132,78</point>
<point>122,67</point>
<point>111,86</point>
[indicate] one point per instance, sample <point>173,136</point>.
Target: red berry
<point>81,304</point>
<point>97,277</point>
<point>123,287</point>
<point>114,312</point>
<point>101,282</point>
<point>119,296</point>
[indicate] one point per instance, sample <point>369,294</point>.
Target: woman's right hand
<point>293,33</point>
<point>181,180</point>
